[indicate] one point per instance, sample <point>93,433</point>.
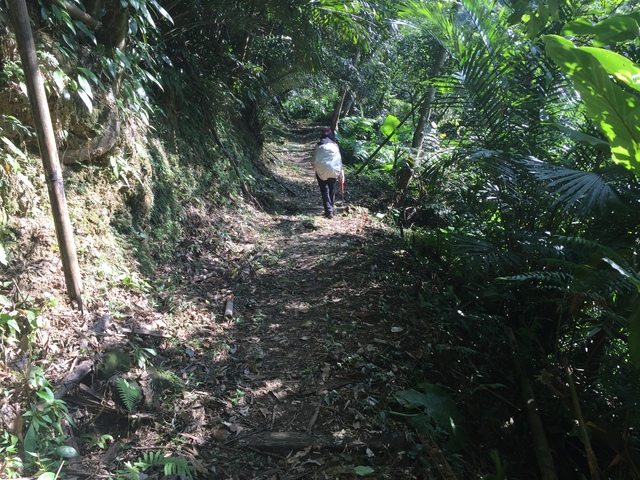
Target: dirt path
<point>321,343</point>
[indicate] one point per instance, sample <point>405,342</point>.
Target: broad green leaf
<point>438,405</point>
<point>46,394</point>
<point>47,476</point>
<point>161,10</point>
<point>625,273</point>
<point>153,79</point>
<point>66,451</point>
<point>83,28</point>
<point>543,13</point>
<point>90,75</point>
<point>613,110</point>
<point>554,10</point>
<point>363,471</point>
<point>389,127</point>
<point>4,301</point>
<point>13,325</point>
<point>581,137</point>
<point>30,441</point>
<point>84,85</point>
<point>615,64</point>
<point>123,58</point>
<point>147,15</point>
<point>620,28</point>
<point>13,148</point>
<point>86,99</point>
<point>59,79</point>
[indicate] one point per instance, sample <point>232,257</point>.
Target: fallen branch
<point>79,14</point>
<point>300,441</point>
<point>74,378</point>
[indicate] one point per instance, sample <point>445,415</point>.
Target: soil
<point>298,381</point>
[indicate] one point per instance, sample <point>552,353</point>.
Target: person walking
<point>327,163</point>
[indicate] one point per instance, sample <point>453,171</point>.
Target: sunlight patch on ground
<point>297,306</point>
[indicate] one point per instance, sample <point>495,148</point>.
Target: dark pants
<point>328,192</point>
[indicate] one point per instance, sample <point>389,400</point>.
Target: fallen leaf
<point>220,435</point>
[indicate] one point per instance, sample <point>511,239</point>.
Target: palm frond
<point>579,190</point>
<point>541,279</point>
<point>486,256</point>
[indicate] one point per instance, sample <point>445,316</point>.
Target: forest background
<point>501,138</point>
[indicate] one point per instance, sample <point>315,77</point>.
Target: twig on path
<point>314,417</point>
<point>299,441</point>
<point>240,437</point>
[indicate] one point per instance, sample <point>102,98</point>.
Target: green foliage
<point>437,412</point>
<point>611,107</point>
<point>45,437</point>
<point>500,467</point>
<point>310,104</point>
<point>363,471</point>
<point>133,69</point>
<point>130,393</point>
<point>17,320</point>
<point>141,355</point>
<point>170,466</point>
<point>11,463</point>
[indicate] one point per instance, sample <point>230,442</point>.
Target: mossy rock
<point>112,363</point>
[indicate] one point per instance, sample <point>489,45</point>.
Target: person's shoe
<point>329,215</point>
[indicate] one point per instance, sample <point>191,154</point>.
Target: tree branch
<point>79,14</point>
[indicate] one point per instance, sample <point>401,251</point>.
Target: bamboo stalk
<point>592,461</point>
<point>48,150</point>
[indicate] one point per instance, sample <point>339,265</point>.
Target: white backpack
<point>327,160</point>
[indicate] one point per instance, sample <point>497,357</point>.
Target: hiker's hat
<point>326,132</point>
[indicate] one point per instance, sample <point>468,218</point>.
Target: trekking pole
<point>342,186</point>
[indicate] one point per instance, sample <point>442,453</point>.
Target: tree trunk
<point>425,112</point>
<point>423,120</point>
<point>348,104</point>
<point>538,435</point>
<point>338,108</point>
<point>115,25</point>
<point>48,150</point>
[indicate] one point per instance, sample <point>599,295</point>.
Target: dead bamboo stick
<point>48,150</point>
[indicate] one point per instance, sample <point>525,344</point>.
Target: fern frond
<point>171,465</point>
<point>542,279</point>
<point>129,394</point>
